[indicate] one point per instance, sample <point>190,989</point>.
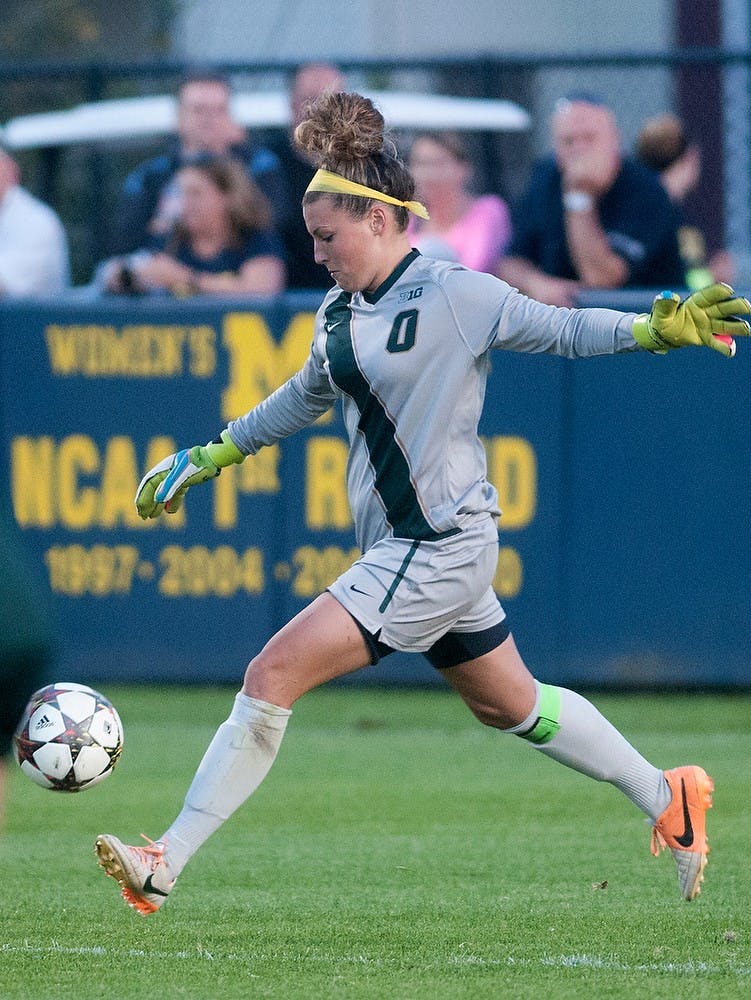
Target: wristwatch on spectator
<point>578,201</point>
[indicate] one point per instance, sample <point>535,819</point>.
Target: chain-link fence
<point>708,89</point>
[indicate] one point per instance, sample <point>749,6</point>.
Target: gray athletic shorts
<point>426,597</point>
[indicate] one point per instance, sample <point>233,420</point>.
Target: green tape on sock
<point>547,724</point>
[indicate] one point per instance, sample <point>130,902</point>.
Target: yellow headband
<point>330,183</point>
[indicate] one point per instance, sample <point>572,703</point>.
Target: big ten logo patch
<point>410,294</point>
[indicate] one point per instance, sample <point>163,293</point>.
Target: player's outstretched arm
<point>709,318</point>
<point>164,486</point>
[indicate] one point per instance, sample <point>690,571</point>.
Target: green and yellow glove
<point>164,486</point>
<point>709,318</point>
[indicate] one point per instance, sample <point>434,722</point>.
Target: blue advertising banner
<point>625,546</point>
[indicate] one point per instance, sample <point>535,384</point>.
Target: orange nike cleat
<point>682,826</point>
<point>141,872</point>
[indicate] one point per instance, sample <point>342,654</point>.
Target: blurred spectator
<point>309,82</point>
<point>150,199</point>
<point>33,245</point>
<point>662,145</point>
<point>589,217</point>
<point>469,228</point>
<point>222,244</point>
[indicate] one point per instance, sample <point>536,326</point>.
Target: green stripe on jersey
<point>392,478</point>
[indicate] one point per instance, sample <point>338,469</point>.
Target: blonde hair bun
<point>339,128</point>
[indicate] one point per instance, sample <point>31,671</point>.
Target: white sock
<point>234,765</point>
<point>568,728</point>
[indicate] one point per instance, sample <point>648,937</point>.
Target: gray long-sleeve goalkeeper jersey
<point>410,363</point>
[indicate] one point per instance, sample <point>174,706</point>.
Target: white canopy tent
<point>143,117</point>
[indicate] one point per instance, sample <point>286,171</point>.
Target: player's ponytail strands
<point>328,182</point>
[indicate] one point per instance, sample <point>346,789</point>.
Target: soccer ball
<point>69,737</point>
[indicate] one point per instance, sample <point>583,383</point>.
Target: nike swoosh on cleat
<point>148,886</point>
<point>686,839</point>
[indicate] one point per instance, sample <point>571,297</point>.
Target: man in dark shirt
<point>309,82</point>
<point>150,200</point>
<point>589,217</point>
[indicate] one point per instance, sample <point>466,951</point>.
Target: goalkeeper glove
<point>708,317</point>
<point>164,486</point>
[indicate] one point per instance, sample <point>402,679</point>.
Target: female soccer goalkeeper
<point>404,343</point>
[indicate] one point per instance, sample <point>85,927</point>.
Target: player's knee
<point>264,676</point>
<point>491,715</point>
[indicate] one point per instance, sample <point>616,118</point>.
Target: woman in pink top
<point>473,230</point>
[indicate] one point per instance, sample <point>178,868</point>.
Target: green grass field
<point>397,850</point>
